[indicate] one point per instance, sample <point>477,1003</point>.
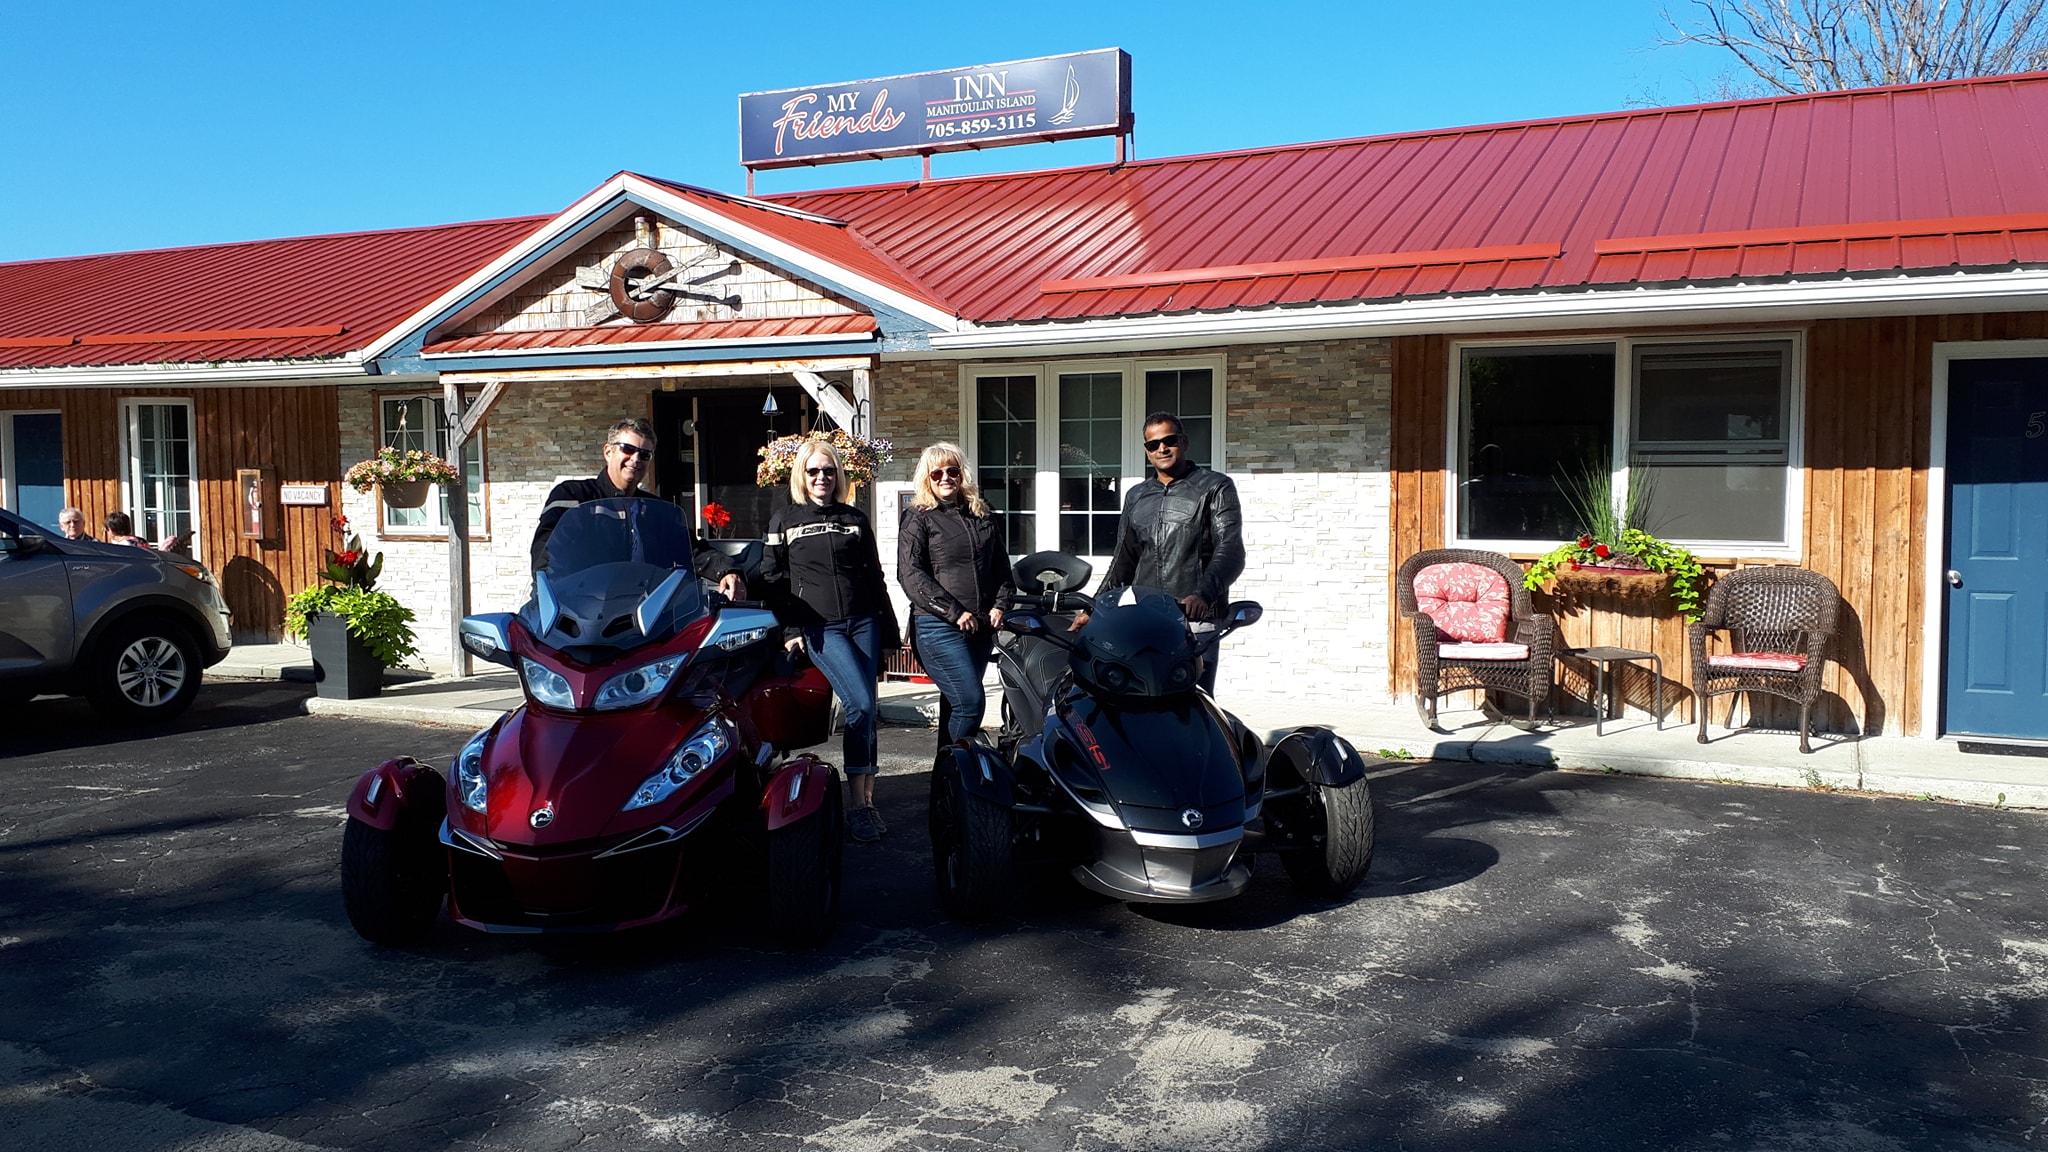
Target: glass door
<point>159,470</point>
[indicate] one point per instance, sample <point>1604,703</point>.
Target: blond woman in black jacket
<point>955,568</point>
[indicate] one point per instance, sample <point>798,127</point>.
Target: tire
<point>145,671</point>
<point>803,874</point>
<point>391,882</point>
<point>1337,825</point>
<point>970,848</point>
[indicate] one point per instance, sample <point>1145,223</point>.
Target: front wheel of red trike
<point>391,885</point>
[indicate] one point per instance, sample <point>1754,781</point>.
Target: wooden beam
<point>653,372</point>
<point>459,427</point>
<point>828,396</point>
<point>465,427</point>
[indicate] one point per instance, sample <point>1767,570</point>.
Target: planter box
<point>1589,583</point>
<point>343,669</point>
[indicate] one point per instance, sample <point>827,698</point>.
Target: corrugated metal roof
<point>300,298</point>
<point>707,330</point>
<point>1914,177</point>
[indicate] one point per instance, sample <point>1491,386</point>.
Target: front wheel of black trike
<point>1331,833</point>
<point>803,874</point>
<point>970,847</point>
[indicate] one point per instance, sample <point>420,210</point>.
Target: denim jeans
<point>955,661</point>
<point>849,653</point>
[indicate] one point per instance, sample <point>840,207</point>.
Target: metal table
<point>1602,656</point>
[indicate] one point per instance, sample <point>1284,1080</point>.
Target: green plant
<point>376,618</point>
<point>390,466</point>
<point>1612,539</point>
<point>1393,754</point>
<point>353,566</point>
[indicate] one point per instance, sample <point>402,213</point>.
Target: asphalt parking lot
<point>1538,960</point>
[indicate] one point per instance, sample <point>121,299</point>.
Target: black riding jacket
<point>709,562</point>
<point>827,555</point>
<point>950,561</point>
<point>1185,537</point>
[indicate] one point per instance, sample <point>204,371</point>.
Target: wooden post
<point>458,527</point>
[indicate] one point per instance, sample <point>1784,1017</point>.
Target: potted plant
<point>354,631</point>
<point>404,476</point>
<point>862,457</point>
<point>1613,555</point>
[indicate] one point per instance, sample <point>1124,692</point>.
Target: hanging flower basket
<point>390,468</point>
<point>405,493</point>
<point>863,457</point>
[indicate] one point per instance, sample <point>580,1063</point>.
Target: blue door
<point>39,468</point>
<point>1997,675</point>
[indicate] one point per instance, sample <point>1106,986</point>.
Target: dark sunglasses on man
<point>1172,441</point>
<point>630,450</point>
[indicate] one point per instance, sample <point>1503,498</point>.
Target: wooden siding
<point>1869,387</point>
<point>294,431</point>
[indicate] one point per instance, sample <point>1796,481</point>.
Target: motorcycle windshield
<point>605,556</point>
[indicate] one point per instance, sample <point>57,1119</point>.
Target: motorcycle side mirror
<point>1242,613</point>
<point>547,611</point>
<point>655,602</point>
<point>489,637</point>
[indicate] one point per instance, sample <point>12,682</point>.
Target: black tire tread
<point>982,884</point>
<point>391,889</point>
<point>106,695</point>
<point>803,876</point>
<point>1336,866</point>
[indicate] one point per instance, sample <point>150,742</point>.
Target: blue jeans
<point>955,661</point>
<point>849,653</point>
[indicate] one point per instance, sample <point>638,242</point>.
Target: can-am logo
<point>1191,817</point>
<point>542,816</point>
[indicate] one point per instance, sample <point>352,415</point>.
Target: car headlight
<point>547,685</point>
<point>469,773</point>
<point>639,685</point>
<point>196,571</point>
<point>699,752</point>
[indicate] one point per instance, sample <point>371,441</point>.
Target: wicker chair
<point>1511,655</point>
<point>1779,620</point>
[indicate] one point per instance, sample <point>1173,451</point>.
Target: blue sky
<point>127,125</point>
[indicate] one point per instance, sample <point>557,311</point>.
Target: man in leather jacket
<point>628,450</point>
<point>1181,530</point>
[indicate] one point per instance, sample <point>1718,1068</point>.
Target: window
<point>410,423</point>
<point>1701,432</point>
<point>1056,446</point>
<point>157,469</point>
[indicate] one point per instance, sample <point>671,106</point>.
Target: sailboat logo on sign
<point>1070,98</point>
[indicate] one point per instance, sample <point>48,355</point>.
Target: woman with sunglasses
<point>954,566</point>
<point>837,608</point>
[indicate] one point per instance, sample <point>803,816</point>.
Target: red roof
<point>707,330</point>
<point>305,297</point>
<point>1911,177</point>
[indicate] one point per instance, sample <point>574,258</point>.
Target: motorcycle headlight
<point>1115,677</point>
<point>469,773</point>
<point>547,685</point>
<point>637,686</point>
<point>699,752</point>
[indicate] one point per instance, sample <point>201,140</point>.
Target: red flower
<point>1585,541</point>
<point>350,557</point>
<point>716,515</point>
<point>340,523</point>
<point>1600,550</point>
<point>1575,565</point>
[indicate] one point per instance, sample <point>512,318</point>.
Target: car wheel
<point>1332,831</point>
<point>391,882</point>
<point>146,670</point>
<point>803,874</point>
<point>970,847</point>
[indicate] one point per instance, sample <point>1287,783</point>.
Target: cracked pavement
<point>1538,960</point>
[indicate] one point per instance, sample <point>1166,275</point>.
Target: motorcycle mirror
<point>1025,624</point>
<point>1244,612</point>
<point>489,637</point>
<point>655,602</point>
<point>547,611</point>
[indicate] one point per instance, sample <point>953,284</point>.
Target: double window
<point>1700,436</point>
<point>157,471</point>
<point>410,423</point>
<point>1055,446</point>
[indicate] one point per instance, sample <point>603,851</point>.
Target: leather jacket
<point>1185,537</point>
<point>709,562</point>
<point>827,556</point>
<point>950,561</point>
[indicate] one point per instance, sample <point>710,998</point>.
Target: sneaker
<point>864,824</point>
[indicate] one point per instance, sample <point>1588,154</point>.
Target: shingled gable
<point>306,305</point>
<point>1908,198</point>
<point>803,284</point>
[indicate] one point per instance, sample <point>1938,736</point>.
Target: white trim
<point>652,345</point>
<point>1792,547</point>
<point>10,484</point>
<point>437,527</point>
<point>1934,568</point>
<point>577,220</point>
<point>248,372</point>
<point>1633,305</point>
<point>130,463</point>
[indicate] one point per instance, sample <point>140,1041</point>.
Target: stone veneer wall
<point>1307,440</point>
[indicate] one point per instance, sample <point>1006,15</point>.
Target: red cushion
<point>1467,601</point>
<point>1768,661</point>
<point>1483,651</point>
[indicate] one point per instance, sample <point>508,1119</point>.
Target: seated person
<point>121,530</point>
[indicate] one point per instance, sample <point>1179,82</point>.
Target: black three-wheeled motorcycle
<point>1112,763</point>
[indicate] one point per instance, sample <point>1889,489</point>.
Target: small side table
<point>1603,680</point>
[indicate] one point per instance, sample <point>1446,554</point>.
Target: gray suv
<point>128,627</point>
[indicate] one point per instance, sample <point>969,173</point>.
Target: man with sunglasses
<point>1181,531</point>
<point>628,450</point>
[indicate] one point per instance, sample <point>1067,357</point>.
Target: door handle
<point>1955,578</point>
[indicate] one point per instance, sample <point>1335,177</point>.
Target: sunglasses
<point>1173,441</point>
<point>821,471</point>
<point>630,450</point>
<point>949,472</point>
